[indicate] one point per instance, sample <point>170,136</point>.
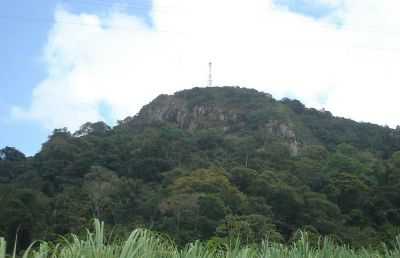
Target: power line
<point>122,4</point>
<point>46,20</point>
<point>40,20</point>
<point>93,3</point>
<point>110,2</point>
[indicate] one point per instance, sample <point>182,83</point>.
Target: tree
<point>23,214</point>
<point>198,202</point>
<point>324,216</point>
<point>347,190</point>
<point>249,228</point>
<point>11,154</point>
<point>101,185</point>
<point>98,129</point>
<point>243,178</point>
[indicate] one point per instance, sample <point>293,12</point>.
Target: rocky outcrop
<point>206,109</point>
<point>173,109</point>
<point>279,129</point>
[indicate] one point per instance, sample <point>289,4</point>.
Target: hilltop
<point>239,110</point>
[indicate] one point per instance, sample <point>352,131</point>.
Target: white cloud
<point>122,62</point>
<point>333,3</point>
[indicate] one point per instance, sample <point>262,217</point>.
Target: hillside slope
<point>210,162</point>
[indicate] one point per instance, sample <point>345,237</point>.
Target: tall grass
<point>2,248</point>
<point>145,244</point>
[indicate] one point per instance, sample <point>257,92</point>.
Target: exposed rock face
<point>279,129</point>
<point>177,110</point>
<point>190,113</point>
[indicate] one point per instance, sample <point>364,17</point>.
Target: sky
<point>64,63</point>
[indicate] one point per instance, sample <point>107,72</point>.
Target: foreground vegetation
<point>147,244</point>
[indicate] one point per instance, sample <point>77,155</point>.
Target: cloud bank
<point>347,62</point>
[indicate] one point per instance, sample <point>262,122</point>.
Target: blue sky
<point>306,56</point>
<point>24,26</point>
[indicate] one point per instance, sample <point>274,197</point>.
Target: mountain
<point>210,163</point>
<point>235,110</point>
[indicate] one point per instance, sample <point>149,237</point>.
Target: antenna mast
<point>210,74</point>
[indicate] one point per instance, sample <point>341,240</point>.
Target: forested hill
<point>210,163</point>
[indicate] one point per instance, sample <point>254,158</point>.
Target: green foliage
<point>250,228</point>
<point>11,154</point>
<point>24,216</point>
<point>210,163</point>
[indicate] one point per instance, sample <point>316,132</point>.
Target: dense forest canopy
<point>210,163</point>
